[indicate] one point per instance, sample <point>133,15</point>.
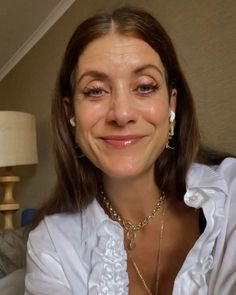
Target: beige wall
<point>204,34</point>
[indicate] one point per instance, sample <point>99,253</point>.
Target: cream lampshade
<point>17,147</point>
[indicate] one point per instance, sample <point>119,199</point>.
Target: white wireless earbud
<point>72,121</point>
<point>172,116</point>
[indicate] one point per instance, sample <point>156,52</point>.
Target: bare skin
<point>173,251</point>
<point>145,255</point>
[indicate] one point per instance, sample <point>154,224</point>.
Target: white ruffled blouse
<point>84,253</point>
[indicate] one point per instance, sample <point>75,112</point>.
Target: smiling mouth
<point>122,141</point>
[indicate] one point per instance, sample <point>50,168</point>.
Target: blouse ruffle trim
<point>210,195</point>
<point>109,268</point>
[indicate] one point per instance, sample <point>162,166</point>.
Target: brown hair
<point>78,179</point>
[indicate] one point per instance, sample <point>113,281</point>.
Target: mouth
<point>120,142</point>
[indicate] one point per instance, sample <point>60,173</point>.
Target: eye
<point>147,88</point>
<point>94,92</point>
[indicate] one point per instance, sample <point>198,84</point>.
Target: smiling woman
<point>121,106</point>
<point>132,174</point>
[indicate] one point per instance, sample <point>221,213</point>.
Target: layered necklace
<point>131,230</point>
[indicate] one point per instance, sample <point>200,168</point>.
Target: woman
<point>132,212</point>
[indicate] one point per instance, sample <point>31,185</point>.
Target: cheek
<point>87,116</point>
<point>157,113</point>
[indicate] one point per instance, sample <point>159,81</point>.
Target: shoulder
<point>227,170</point>
<point>54,228</point>
<point>213,186</point>
<point>224,275</point>
<point>73,228</point>
<point>222,175</point>
<point>50,254</point>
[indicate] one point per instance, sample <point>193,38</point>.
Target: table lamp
<point>17,147</point>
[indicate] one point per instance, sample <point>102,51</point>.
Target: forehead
<point>121,52</point>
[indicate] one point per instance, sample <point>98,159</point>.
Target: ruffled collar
<point>106,255</point>
<point>204,184</point>
<point>208,190</point>
<point>104,248</point>
<point>202,176</point>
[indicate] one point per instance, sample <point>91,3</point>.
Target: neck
<point>132,198</point>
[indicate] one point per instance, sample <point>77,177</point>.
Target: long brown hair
<point>78,179</point>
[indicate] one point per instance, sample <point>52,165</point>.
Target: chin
<point>120,174</point>
<point>123,171</point>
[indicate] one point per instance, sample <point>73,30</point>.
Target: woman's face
<point>122,105</point>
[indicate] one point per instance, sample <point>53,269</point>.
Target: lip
<point>122,141</point>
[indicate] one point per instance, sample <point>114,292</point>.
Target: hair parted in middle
<point>78,179</point>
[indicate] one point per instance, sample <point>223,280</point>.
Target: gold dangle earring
<point>170,145</point>
<point>78,151</point>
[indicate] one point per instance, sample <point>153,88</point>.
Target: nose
<point>122,110</point>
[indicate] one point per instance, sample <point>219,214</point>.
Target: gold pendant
<point>131,245</point>
<point>131,235</point>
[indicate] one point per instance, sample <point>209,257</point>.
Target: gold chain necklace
<point>162,226</point>
<point>131,228</point>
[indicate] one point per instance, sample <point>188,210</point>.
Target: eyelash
<point>93,91</point>
<point>152,88</point>
<point>97,92</point>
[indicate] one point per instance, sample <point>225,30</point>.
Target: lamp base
<point>8,206</point>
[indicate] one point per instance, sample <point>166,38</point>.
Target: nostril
<point>122,112</point>
<point>122,119</point>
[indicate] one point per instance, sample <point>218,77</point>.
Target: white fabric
<point>84,253</point>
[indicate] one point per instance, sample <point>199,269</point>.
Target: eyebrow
<point>102,75</point>
<point>93,73</point>
<point>148,66</point>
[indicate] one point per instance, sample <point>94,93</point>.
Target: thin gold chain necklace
<point>162,226</point>
<point>131,228</point>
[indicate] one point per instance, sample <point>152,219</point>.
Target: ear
<point>69,112</point>
<point>173,100</point>
<point>68,108</point>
